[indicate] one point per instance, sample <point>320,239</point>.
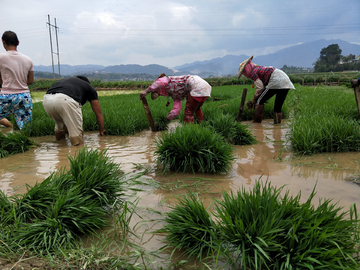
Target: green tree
<point>329,58</point>
<point>331,54</point>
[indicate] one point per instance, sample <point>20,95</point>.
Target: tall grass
<point>260,229</point>
<point>193,148</point>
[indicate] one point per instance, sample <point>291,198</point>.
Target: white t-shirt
<point>14,69</point>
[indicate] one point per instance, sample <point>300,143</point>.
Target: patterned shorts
<point>20,105</point>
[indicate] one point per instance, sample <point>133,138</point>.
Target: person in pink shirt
<point>16,73</point>
<point>195,89</point>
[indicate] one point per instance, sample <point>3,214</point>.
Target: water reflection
<point>259,160</point>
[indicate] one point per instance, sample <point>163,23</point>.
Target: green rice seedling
<point>319,133</point>
<point>242,135</point>
<point>232,131</point>
<point>40,125</point>
<point>70,216</point>
<point>249,225</point>
<point>193,148</point>
<point>35,203</point>
<point>224,124</point>
<point>189,227</point>
<point>94,173</point>
<point>161,123</point>
<point>318,237</point>
<point>66,205</point>
<point>263,230</point>
<point>6,210</point>
<point>13,143</point>
<point>325,120</point>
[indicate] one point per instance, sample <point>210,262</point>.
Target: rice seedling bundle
<point>193,148</point>
<point>13,143</point>
<point>232,131</point>
<point>260,229</point>
<point>189,227</point>
<point>66,205</point>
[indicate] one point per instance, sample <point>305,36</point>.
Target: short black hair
<point>10,38</point>
<point>83,78</point>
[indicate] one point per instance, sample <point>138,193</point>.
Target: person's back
<point>76,88</point>
<point>14,69</point>
<point>16,73</point>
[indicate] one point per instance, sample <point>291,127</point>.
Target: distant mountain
<point>69,70</point>
<point>302,55</point>
<point>148,69</point>
<point>214,67</point>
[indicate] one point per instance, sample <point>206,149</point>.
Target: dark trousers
<point>279,99</point>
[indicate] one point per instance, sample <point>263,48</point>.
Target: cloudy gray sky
<point>169,32</point>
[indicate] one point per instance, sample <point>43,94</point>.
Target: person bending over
<point>63,101</point>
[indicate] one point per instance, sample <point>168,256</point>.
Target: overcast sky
<point>172,33</point>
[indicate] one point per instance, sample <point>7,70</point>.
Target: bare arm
<point>0,79</point>
<point>30,78</point>
<point>95,105</point>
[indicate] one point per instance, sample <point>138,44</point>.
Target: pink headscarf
<point>159,86</point>
<point>248,68</point>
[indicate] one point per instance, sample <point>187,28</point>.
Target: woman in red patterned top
<point>192,87</point>
<point>269,81</point>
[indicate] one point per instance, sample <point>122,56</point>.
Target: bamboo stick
<point>242,104</point>
<point>148,114</point>
<point>355,85</point>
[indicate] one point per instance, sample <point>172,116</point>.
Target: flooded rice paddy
<point>333,174</point>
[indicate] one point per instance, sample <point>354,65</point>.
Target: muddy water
<point>269,159</point>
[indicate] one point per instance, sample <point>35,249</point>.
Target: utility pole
<point>51,46</point>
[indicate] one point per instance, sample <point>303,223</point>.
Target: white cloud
<point>172,32</point>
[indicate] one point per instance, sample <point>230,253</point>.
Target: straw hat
<point>242,66</point>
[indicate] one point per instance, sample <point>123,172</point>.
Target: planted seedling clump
<point>193,148</point>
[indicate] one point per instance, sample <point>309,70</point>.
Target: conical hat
<point>242,66</point>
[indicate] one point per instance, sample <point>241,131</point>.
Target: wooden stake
<point>354,83</point>
<point>242,104</point>
<point>148,114</point>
